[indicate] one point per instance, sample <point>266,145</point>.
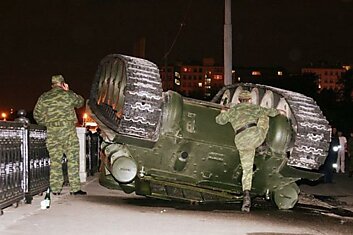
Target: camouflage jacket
<point>350,146</point>
<point>246,113</point>
<point>57,105</point>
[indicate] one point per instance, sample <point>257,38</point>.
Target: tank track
<point>312,130</point>
<point>132,85</point>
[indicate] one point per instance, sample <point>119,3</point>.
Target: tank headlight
<point>124,169</point>
<point>336,148</point>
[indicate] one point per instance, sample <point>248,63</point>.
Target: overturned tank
<point>162,145</point>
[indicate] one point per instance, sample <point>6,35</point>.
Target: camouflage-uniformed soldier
<point>350,153</point>
<point>250,123</point>
<point>55,109</point>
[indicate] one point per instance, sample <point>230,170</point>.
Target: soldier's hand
<point>65,86</point>
<point>281,111</point>
<point>224,108</point>
<point>120,114</point>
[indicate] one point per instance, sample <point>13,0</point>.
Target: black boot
<point>246,201</point>
<point>79,192</point>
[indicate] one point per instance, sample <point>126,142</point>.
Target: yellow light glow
<point>256,73</point>
<point>3,115</point>
<point>347,67</point>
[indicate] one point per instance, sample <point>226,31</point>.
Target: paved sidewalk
<point>340,190</point>
<point>340,193</point>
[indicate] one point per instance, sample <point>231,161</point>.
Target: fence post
<point>81,133</point>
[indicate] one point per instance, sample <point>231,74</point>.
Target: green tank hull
<point>170,147</point>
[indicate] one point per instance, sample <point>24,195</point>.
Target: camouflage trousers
<point>247,162</point>
<point>63,140</point>
<point>246,143</point>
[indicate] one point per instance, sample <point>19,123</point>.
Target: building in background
<point>199,81</point>
<point>168,77</point>
<point>204,81</point>
<point>252,74</point>
<point>328,76</point>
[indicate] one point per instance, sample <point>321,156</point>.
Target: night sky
<point>42,37</point>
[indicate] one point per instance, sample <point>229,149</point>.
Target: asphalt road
<point>105,211</point>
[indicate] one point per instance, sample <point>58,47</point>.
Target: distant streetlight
<point>3,115</point>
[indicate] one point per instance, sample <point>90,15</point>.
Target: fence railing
<point>24,162</point>
<point>93,142</point>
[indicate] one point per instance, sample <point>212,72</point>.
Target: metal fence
<point>93,141</point>
<point>24,162</point>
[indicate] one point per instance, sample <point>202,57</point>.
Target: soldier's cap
<point>57,79</point>
<point>245,95</point>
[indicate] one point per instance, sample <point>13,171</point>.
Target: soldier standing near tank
<point>250,123</point>
<point>350,154</point>
<point>327,167</point>
<point>341,158</point>
<point>55,109</point>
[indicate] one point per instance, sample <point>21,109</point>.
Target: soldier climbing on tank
<point>55,109</point>
<point>250,123</point>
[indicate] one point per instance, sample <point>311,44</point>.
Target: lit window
<point>256,73</point>
<point>280,73</point>
<point>218,77</point>
<point>347,67</point>
<point>185,69</point>
<point>208,87</point>
<point>238,79</point>
<point>177,82</point>
<point>200,84</point>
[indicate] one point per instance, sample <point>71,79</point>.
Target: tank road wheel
<point>225,98</point>
<point>286,197</point>
<point>235,97</point>
<point>268,100</point>
<point>284,106</point>
<point>255,96</point>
